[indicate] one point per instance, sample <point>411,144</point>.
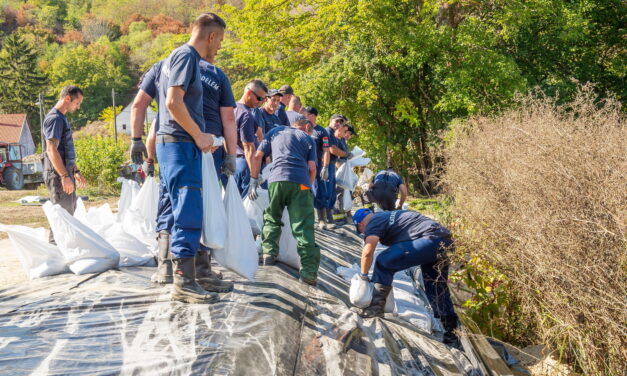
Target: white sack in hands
<point>240,253</point>
<point>141,216</point>
<point>288,246</point>
<point>38,257</point>
<point>213,212</point>
<point>360,292</point>
<point>83,249</point>
<point>254,210</point>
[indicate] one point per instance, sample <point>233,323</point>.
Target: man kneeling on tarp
<point>413,240</point>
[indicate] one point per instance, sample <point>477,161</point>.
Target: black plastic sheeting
<point>117,322</point>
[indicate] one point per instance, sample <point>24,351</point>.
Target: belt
<point>166,138</point>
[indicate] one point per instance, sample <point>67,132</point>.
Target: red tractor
<point>11,175</point>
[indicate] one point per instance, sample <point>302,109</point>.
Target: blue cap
<point>359,216</point>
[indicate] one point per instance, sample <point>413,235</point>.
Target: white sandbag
<point>288,246</point>
<point>344,176</point>
<point>132,251</point>
<point>80,212</point>
<point>214,230</point>
<point>359,161</point>
<point>347,201</point>
<point>365,178</point>
<point>38,257</point>
<point>100,216</point>
<point>240,253</point>
<point>360,292</point>
<point>141,217</point>
<point>357,152</point>
<point>83,249</point>
<point>254,210</point>
<point>130,189</point>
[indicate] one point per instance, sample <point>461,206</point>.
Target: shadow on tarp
<point>117,322</point>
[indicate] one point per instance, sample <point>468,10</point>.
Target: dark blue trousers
<point>320,199</point>
<point>330,188</point>
<point>180,166</point>
<point>242,176</point>
<point>421,252</point>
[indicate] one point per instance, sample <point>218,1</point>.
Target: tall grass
<point>541,193</point>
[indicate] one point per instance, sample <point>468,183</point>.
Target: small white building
<point>123,119</point>
<point>14,128</point>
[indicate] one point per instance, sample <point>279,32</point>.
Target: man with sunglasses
<point>247,127</point>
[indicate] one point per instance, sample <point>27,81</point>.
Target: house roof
<point>11,127</point>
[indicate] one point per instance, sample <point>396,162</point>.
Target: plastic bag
<point>254,210</point>
<point>360,292</point>
<point>38,257</point>
<point>141,216</point>
<point>130,189</point>
<point>80,212</point>
<point>132,251</point>
<point>359,161</point>
<point>364,179</point>
<point>347,201</point>
<point>240,253</point>
<point>344,176</point>
<point>288,246</point>
<point>213,213</point>
<point>83,249</point>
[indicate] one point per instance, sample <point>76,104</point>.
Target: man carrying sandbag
<point>180,141</point>
<point>336,130</point>
<point>294,170</point>
<point>60,170</point>
<point>413,240</point>
<point>385,188</point>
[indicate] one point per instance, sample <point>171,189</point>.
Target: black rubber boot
<point>349,218</point>
<point>377,306</point>
<point>206,278</point>
<point>450,324</point>
<point>322,218</point>
<point>309,281</point>
<point>185,288</point>
<point>330,221</point>
<point>268,259</point>
<point>163,275</point>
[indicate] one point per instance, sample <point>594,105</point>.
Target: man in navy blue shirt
<point>248,131</point>
<point>294,110</point>
<point>180,141</point>
<point>413,240</point>
<point>384,190</point>
<point>336,130</point>
<point>266,115</point>
<point>284,105</point>
<point>60,171</point>
<point>321,139</point>
<point>293,155</point>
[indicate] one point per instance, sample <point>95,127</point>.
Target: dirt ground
<point>13,213</point>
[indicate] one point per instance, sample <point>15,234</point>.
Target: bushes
<point>99,159</point>
<point>540,194</point>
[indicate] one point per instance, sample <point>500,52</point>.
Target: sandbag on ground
<point>38,257</point>
<point>83,249</point>
<point>141,216</point>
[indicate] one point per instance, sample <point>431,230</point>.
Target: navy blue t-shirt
<point>246,126</point>
<point>291,149</point>
<point>267,121</point>
<point>281,113</point>
<point>292,116</point>
<point>150,80</point>
<point>217,93</point>
<point>56,126</point>
<point>321,139</point>
<point>181,68</point>
<point>333,141</point>
<point>390,177</point>
<point>402,225</point>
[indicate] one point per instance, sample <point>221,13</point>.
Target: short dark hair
<point>72,90</point>
<point>257,84</point>
<point>302,122</point>
<point>311,110</point>
<point>208,22</point>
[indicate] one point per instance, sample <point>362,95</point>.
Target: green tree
<point>20,79</point>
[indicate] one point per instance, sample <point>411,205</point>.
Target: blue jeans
<point>421,252</point>
<point>165,219</point>
<point>242,176</point>
<point>321,192</point>
<point>180,164</point>
<point>330,198</point>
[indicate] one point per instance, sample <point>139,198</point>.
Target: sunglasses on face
<point>255,94</point>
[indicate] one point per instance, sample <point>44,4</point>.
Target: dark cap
<point>338,116</point>
<point>310,110</point>
<point>273,92</point>
<point>351,129</point>
<point>286,89</point>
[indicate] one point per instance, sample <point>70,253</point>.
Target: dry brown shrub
<point>541,191</point>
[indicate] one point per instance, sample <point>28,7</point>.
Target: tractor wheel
<point>13,178</point>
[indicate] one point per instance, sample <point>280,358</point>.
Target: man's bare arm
<point>367,253</point>
<point>229,129</point>
<point>337,151</point>
<point>312,171</point>
<point>151,139</point>
<point>175,104</point>
<point>138,113</point>
<point>249,153</point>
<point>256,164</point>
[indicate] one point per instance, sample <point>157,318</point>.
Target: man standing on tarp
<point>287,94</point>
<point>180,141</point>
<point>384,190</point>
<point>60,171</point>
<point>336,130</point>
<point>413,240</point>
<point>294,156</point>
<point>247,131</point>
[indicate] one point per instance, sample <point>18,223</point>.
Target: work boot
<point>163,275</point>
<point>349,218</point>
<point>206,278</point>
<point>450,324</point>
<point>268,259</point>
<point>185,288</point>
<point>377,306</point>
<point>322,220</point>
<point>330,221</point>
<point>309,281</point>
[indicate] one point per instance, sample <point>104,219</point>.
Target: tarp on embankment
<point>117,322</point>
